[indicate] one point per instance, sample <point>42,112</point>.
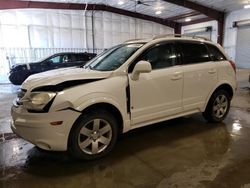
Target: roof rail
<point>180,36</point>
<point>199,37</point>
<point>131,40</point>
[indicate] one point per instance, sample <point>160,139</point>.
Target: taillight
<point>233,65</point>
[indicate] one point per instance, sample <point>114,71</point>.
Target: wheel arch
<point>223,86</point>
<point>104,106</point>
<point>110,108</point>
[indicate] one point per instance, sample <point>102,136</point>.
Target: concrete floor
<point>185,152</point>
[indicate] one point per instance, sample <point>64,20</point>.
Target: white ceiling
<point>223,5</point>
<point>168,10</point>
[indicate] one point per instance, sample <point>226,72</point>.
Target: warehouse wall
<point>230,36</point>
<point>213,24</point>
<point>30,34</point>
<point>231,33</point>
<point>39,28</point>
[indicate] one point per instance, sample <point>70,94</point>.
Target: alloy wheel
<point>95,136</point>
<point>220,106</point>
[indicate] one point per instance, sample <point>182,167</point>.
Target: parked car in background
<point>19,72</point>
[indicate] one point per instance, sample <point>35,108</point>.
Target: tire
<point>93,135</point>
<point>217,107</point>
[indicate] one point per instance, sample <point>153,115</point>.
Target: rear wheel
<point>93,136</point>
<point>218,107</point>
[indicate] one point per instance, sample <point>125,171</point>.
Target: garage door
<point>243,47</point>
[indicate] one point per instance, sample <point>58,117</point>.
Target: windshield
<point>114,57</point>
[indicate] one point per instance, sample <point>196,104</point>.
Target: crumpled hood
<point>58,76</point>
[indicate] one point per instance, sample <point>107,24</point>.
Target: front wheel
<point>218,107</point>
<point>94,135</point>
<point>17,78</point>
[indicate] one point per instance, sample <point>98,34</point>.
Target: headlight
<point>38,100</point>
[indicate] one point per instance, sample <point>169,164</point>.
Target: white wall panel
<point>78,39</point>
<point>23,17</point>
<point>65,20</point>
<point>43,28</point>
<point>212,24</point>
<point>8,17</point>
<point>30,34</point>
<point>66,38</point>
<point>54,19</point>
<point>230,39</point>
<point>38,17</point>
<point>38,37</point>
<point>56,38</point>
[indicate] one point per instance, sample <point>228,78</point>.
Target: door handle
<point>177,77</point>
<point>212,71</point>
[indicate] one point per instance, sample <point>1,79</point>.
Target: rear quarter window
<point>193,53</point>
<point>215,53</point>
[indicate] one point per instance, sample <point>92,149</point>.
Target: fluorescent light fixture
<point>120,2</point>
<point>158,12</point>
<point>188,19</point>
<point>247,6</point>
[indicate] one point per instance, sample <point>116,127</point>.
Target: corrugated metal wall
<point>30,34</point>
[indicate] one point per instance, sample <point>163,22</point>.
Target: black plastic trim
<point>128,99</point>
<point>64,85</point>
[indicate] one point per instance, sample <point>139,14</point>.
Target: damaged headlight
<point>37,101</point>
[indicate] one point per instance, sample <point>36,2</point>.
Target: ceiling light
<point>247,6</point>
<point>188,19</point>
<point>158,12</point>
<point>120,2</point>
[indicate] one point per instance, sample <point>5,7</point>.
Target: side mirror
<point>140,67</point>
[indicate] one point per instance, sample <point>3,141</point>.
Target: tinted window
<point>83,57</point>
<point>160,56</point>
<point>215,53</point>
<point>194,53</point>
<point>65,59</point>
<point>56,59</point>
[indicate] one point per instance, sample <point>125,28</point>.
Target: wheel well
<point>227,88</point>
<point>110,108</point>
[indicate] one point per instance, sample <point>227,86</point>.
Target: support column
<point>221,22</point>
<point>177,28</point>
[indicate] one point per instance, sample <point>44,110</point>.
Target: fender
<point>96,98</point>
<point>212,91</point>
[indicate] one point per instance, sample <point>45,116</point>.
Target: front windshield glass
<point>114,57</point>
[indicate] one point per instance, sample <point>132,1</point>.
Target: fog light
<point>55,123</point>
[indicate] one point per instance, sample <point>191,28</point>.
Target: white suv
<point>131,85</point>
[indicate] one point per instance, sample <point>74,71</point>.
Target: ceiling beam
<point>15,4</point>
<point>182,16</point>
<point>210,12</point>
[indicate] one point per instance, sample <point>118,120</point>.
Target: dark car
<point>18,73</point>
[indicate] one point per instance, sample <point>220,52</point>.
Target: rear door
<point>200,74</point>
<point>70,60</point>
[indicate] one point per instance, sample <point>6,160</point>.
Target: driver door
<point>54,62</point>
<point>158,94</point>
